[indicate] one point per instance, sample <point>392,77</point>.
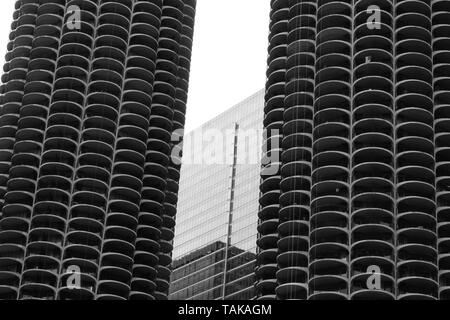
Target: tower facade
<point>358,102</point>
<point>92,92</point>
<point>215,237</point>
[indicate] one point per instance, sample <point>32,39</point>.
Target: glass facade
<point>216,232</point>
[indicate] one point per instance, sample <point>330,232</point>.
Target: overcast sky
<point>229,54</point>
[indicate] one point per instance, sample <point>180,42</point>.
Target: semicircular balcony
<point>10,281</point>
<point>292,291</point>
<point>327,253</point>
<point>414,260</point>
<point>328,288</point>
<point>371,68</point>
<point>361,291</point>
<point>36,291</point>
<point>112,289</point>
<point>86,290</point>
<point>114,274</point>
<point>142,286</point>
<point>417,288</point>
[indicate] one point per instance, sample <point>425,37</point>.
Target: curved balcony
<point>328,288</point>
<point>360,273</point>
<point>360,290</point>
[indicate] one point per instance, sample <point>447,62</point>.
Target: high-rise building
<point>91,94</point>
<point>359,92</point>
<point>215,242</point>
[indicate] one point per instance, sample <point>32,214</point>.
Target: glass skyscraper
<point>216,232</point>
<point>91,94</point>
<point>360,94</point>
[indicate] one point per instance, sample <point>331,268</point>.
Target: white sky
<point>229,54</point>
